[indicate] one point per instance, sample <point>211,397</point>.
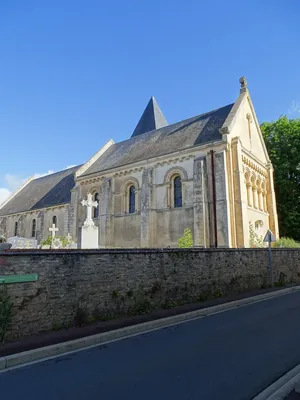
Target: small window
<point>96,209</point>
<point>54,220</point>
<point>33,231</point>
<point>131,193</point>
<point>16,229</point>
<point>177,192</point>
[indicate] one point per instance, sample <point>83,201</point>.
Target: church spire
<point>151,119</point>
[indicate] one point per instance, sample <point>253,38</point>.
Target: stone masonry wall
<point>109,283</point>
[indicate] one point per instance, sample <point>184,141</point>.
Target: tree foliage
<point>282,139</point>
<point>186,240</point>
<point>286,242</point>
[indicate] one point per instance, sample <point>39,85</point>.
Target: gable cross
<point>89,203</point>
<point>53,231</point>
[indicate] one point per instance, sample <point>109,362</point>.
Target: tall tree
<point>282,139</point>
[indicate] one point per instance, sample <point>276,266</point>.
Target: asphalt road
<point>233,355</point>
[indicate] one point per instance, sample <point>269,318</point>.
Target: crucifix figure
<point>89,203</point>
<point>53,230</point>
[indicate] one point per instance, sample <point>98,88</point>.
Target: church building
<point>210,173</point>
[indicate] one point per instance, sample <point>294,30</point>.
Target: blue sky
<point>75,73</point>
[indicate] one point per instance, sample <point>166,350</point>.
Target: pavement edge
<point>281,388</point>
<point>101,338</point>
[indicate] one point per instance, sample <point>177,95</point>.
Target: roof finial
<point>243,82</point>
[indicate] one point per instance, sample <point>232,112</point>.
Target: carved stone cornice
<point>128,171</point>
<point>93,180</point>
<point>174,160</point>
<point>254,166</point>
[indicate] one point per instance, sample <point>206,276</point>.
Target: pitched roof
<point>172,138</point>
<point>46,191</point>
<point>151,119</point>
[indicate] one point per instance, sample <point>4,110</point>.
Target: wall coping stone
<point>56,252</point>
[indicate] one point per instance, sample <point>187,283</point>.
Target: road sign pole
<point>269,238</point>
<point>271,265</point>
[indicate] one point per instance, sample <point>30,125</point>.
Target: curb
<point>101,338</point>
<point>282,387</point>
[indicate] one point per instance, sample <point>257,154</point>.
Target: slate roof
<point>172,138</point>
<point>54,189</point>
<point>151,119</point>
<point>43,192</point>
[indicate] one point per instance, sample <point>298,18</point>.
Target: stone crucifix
<point>53,230</point>
<point>89,203</point>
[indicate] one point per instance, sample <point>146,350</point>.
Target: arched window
<point>16,229</point>
<point>177,191</point>
<point>96,209</point>
<point>54,220</point>
<point>33,231</point>
<point>131,204</point>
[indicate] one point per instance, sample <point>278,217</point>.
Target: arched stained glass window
<point>54,220</point>
<point>131,193</point>
<point>33,231</point>
<point>96,209</point>
<point>177,191</point>
<point>16,229</point>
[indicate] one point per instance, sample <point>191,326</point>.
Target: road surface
<point>232,355</point>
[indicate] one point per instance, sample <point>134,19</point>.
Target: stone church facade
<point>210,173</point>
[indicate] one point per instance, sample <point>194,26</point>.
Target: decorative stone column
<point>201,220</point>
<point>249,194</point>
<point>255,197</point>
<point>260,200</point>
<point>73,214</point>
<point>265,201</point>
<point>240,195</point>
<point>147,217</point>
<point>105,214</point>
<point>40,226</point>
<point>222,201</point>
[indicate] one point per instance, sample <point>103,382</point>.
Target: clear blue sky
<point>75,73</point>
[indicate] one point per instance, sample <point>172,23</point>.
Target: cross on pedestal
<point>89,203</point>
<point>53,230</point>
<point>69,238</point>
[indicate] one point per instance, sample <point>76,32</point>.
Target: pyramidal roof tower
<point>152,119</point>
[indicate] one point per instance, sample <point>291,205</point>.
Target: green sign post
<point>18,278</point>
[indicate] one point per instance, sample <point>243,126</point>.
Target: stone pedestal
<point>89,231</point>
<point>89,237</point>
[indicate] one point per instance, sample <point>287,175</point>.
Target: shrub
<point>186,241</point>
<point>286,242</point>
<point>63,239</point>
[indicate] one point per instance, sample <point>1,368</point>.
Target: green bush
<point>48,241</point>
<point>286,242</point>
<point>186,240</point>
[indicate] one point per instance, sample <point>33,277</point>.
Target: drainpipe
<point>214,197</point>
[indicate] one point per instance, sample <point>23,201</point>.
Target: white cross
<point>89,203</point>
<point>69,238</point>
<point>53,230</point>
